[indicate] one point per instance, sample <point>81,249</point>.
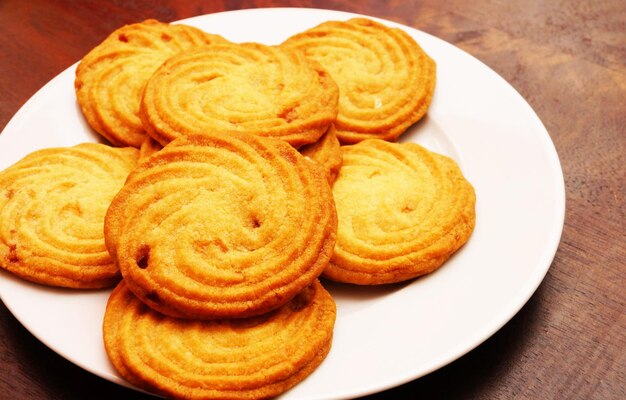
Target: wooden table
<point>566,57</point>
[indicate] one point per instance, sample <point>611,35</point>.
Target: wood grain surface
<point>566,57</point>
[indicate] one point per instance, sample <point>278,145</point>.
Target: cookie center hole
<point>144,256</point>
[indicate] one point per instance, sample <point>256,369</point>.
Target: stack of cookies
<point>238,175</point>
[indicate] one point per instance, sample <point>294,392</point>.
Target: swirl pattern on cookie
<point>258,357</point>
<point>403,211</point>
<point>223,225</point>
<point>110,78</point>
<point>52,208</point>
<point>253,88</point>
<point>386,80</point>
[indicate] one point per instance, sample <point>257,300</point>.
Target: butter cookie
<point>52,208</point>
<point>386,80</point>
<point>222,225</point>
<point>403,211</point>
<point>110,78</point>
<point>250,358</point>
<point>263,90</point>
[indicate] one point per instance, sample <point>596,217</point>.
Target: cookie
<point>52,208</point>
<point>253,358</point>
<point>385,79</point>
<point>263,90</point>
<point>327,152</point>
<point>110,78</point>
<point>403,211</point>
<point>222,225</point>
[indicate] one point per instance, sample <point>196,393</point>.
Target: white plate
<point>384,336</point>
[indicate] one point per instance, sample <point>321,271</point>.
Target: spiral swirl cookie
<point>402,210</point>
<point>111,77</point>
<point>263,90</point>
<point>385,79</point>
<point>253,358</point>
<point>52,208</point>
<point>222,225</point>
<point>327,152</point>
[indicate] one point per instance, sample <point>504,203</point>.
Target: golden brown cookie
<point>52,207</point>
<point>110,78</point>
<point>402,210</point>
<point>263,90</point>
<point>327,152</point>
<point>253,358</point>
<point>222,225</point>
<point>385,79</point>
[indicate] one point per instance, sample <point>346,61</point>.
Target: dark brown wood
<point>566,57</point>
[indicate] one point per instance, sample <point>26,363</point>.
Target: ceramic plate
<point>384,336</point>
